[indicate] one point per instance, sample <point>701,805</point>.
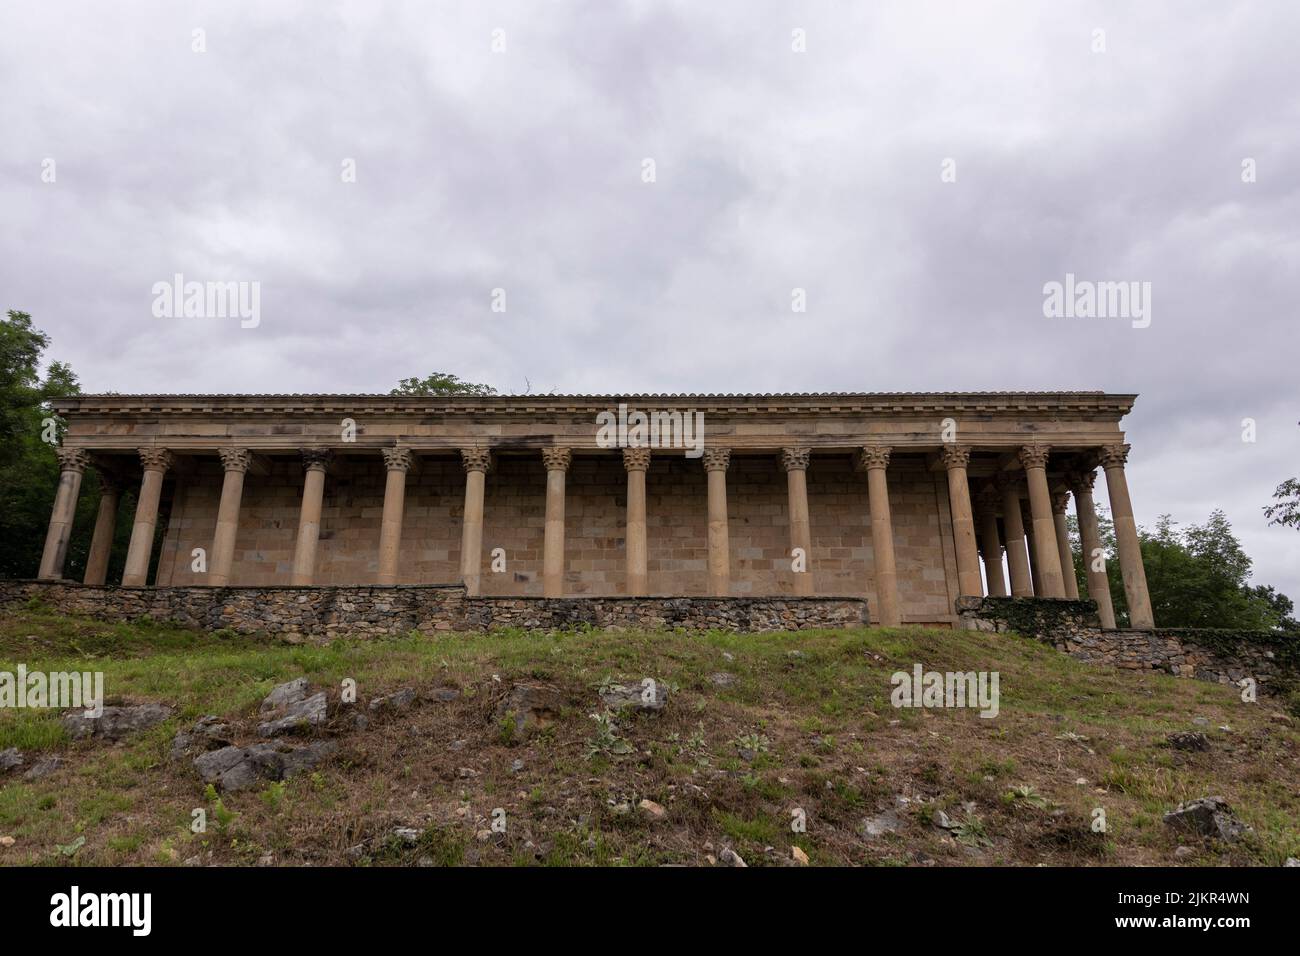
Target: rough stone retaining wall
<point>1220,656</point>
<point>314,612</point>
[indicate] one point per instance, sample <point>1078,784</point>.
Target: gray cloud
<point>775,170</point>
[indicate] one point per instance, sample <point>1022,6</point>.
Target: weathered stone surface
<point>115,722</point>
<point>877,826</point>
<point>300,715</point>
<point>1072,627</point>
<point>44,767</point>
<point>1209,817</point>
<point>729,857</point>
<point>402,700</point>
<point>363,610</point>
<point>10,759</point>
<point>208,733</point>
<point>238,768</point>
<point>649,696</point>
<point>285,694</point>
<point>1188,740</point>
<point>531,706</point>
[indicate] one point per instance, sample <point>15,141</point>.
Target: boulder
<point>115,722</point>
<point>1188,740</point>
<point>531,706</point>
<point>1208,817</point>
<point>402,700</point>
<point>10,759</point>
<point>238,768</point>
<point>285,694</point>
<point>208,733</point>
<point>649,696</point>
<point>299,715</point>
<point>44,767</point>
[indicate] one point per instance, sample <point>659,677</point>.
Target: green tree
<point>1286,511</point>
<point>29,471</point>
<point>440,383</point>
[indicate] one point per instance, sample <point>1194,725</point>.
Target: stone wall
<point>323,611</point>
<point>595,517</point>
<point>1220,656</point>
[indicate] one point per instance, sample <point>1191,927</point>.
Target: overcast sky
<point>1116,156</point>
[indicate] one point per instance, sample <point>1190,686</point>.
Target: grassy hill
<point>755,728</point>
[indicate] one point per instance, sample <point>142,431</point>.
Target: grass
<point>806,724</point>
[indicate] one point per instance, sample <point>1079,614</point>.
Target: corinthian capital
<point>1060,501</point>
<point>155,459</point>
<point>1034,456</point>
<point>717,459</point>
<point>795,459</point>
<point>317,459</point>
<point>476,459</point>
<point>397,459</point>
<point>557,459</point>
<point>1114,456</point>
<point>872,456</point>
<point>72,459</point>
<point>235,459</point>
<point>1081,480</point>
<point>955,456</point>
<point>636,459</point>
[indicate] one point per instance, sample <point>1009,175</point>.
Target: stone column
<point>716,461</point>
<point>1090,541</point>
<point>156,461</point>
<point>955,459</point>
<point>72,465</point>
<point>1060,502</point>
<point>235,462</point>
<point>991,542</point>
<point>476,461</point>
<point>316,462</point>
<point>1027,522</point>
<point>397,462</point>
<point>875,460</point>
<point>637,462</point>
<point>795,463</point>
<point>1113,458</point>
<point>1046,556</point>
<point>557,462</point>
<point>1022,584</point>
<point>101,542</point>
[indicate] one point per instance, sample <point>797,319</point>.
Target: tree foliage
<point>440,383</point>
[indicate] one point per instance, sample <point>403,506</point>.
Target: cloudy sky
<point>920,170</point>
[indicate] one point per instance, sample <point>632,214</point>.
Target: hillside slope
<point>758,732</point>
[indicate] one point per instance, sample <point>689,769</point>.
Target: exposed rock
<point>10,759</point>
<point>238,768</point>
<point>1183,852</point>
<point>1291,861</point>
<point>1208,816</point>
<point>443,695</point>
<point>44,767</point>
<point>400,701</point>
<point>649,696</point>
<point>887,822</point>
<point>729,857</point>
<point>285,694</point>
<point>1188,740</point>
<point>532,706</point>
<point>652,810</point>
<point>407,834</point>
<point>940,820</point>
<point>297,716</point>
<point>722,679</point>
<point>208,733</point>
<point>799,856</point>
<point>115,722</point>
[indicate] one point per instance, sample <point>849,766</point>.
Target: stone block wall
<point>323,611</point>
<point>1219,656</point>
<point>595,506</point>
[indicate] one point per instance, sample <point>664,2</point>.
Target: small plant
<point>754,743</point>
<point>971,832</point>
<point>1029,795</point>
<point>606,739</point>
<point>273,795</point>
<point>222,816</point>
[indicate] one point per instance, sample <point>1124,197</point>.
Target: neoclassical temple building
<point>908,499</point>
